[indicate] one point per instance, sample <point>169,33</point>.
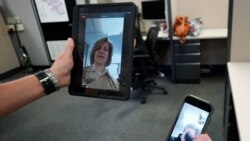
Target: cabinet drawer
<point>187,58</point>
<point>187,72</point>
<point>187,48</point>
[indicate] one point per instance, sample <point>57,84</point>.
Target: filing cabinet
<point>187,60</point>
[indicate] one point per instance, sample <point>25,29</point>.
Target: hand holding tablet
<point>104,35</point>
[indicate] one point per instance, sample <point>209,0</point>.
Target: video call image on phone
<point>190,123</point>
<point>102,52</point>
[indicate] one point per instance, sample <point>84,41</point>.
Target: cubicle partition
<point>55,23</point>
<point>236,124</point>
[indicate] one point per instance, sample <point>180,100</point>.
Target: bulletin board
<point>55,22</point>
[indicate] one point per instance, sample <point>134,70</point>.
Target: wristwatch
<point>48,81</point>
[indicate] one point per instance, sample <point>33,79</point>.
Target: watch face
<point>48,72</point>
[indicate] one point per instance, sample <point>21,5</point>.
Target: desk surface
<point>239,75</point>
<point>211,34</point>
<point>216,33</point>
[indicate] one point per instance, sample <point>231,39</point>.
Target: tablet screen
<point>103,55</point>
<point>103,50</point>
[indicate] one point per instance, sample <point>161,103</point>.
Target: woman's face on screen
<point>101,54</point>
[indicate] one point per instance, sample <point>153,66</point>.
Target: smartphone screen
<point>191,120</point>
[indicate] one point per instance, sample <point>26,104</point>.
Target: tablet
<point>104,36</point>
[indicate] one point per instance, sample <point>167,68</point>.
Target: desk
<point>212,51</point>
<point>240,91</point>
<point>213,46</point>
<point>217,33</point>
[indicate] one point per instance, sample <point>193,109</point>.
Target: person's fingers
<point>203,137</point>
<point>70,46</point>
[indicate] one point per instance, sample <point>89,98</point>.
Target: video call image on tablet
<point>103,50</point>
<point>192,120</point>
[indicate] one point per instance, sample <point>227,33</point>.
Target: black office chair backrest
<point>150,42</point>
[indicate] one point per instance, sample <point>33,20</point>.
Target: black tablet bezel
<point>75,87</point>
<point>197,102</point>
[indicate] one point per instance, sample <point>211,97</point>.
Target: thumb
<point>70,46</point>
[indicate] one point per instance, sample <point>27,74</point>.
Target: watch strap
<point>47,82</point>
<point>52,77</point>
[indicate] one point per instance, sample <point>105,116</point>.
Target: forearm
<point>19,93</point>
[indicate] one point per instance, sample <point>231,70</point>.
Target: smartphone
<point>192,119</point>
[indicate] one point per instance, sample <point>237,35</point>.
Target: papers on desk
<point>162,34</point>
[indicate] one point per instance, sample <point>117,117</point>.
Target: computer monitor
<point>153,10</point>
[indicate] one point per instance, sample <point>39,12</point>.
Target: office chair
<point>151,47</point>
<point>144,67</point>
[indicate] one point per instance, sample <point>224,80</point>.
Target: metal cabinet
<point>187,58</point>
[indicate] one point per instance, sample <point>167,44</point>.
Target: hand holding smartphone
<point>192,119</point>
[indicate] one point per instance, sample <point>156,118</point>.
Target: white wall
<point>8,57</point>
<point>31,37</point>
<point>80,1</point>
<point>214,13</point>
<point>240,45</point>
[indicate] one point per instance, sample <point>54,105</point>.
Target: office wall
<point>31,37</point>
<point>83,1</point>
<point>214,13</point>
<point>240,45</point>
<point>8,57</point>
